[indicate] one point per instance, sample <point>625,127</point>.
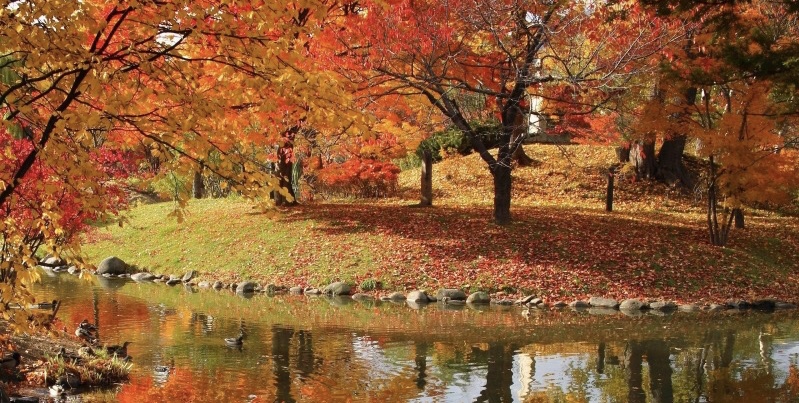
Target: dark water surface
<point>320,349</point>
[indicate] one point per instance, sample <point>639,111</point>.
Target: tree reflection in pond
<point>309,350</point>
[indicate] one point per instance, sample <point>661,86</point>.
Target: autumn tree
<point>731,91</point>
<point>502,53</point>
<point>180,80</point>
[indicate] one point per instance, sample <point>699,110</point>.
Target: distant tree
<point>575,54</point>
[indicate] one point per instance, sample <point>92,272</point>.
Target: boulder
<point>173,281</point>
<point>579,304</point>
<point>218,285</point>
<point>766,304</point>
<point>478,297</point>
<point>296,290</point>
<point>451,294</point>
<point>143,276</point>
<point>784,305</point>
<point>337,288</point>
<point>737,304</point>
<point>395,296</point>
<point>188,276</point>
<point>688,308</point>
<point>663,306</point>
<point>417,296</point>
<point>559,304</point>
<point>112,265</point>
<point>600,302</point>
<point>362,297</point>
<point>246,286</point>
<point>312,291</point>
<point>631,305</point>
<point>534,302</point>
<point>73,270</point>
<point>52,262</point>
<point>525,300</point>
<point>204,284</point>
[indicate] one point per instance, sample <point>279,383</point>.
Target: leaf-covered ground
<point>561,245</point>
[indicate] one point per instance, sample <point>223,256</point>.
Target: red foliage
<point>360,177</point>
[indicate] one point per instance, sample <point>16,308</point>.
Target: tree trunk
<point>739,218</point>
<point>520,127</point>
<point>197,185</point>
<point>623,154</point>
<point>642,156</point>
<point>427,178</point>
<point>285,165</point>
<point>609,194</point>
<point>502,193</point>
<point>669,165</point>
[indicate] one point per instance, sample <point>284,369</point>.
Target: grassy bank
<point>562,243</point>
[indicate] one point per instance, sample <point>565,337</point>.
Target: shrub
<point>359,177</point>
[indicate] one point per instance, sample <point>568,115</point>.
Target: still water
<point>305,349</point>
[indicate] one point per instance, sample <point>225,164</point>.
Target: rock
<point>451,294</point>
<point>457,302</point>
<point>559,304</point>
<point>662,306</point>
<point>204,284</point>
<point>73,270</point>
<point>218,285</point>
<point>173,281</point>
<point>52,262</point>
<point>478,297</point>
<point>525,300</point>
<point>717,307</point>
<point>188,276</point>
<point>631,305</point>
<point>417,296</point>
<point>534,302</point>
<point>501,302</point>
<point>602,310</point>
<point>738,304</point>
<point>108,275</point>
<point>600,302</point>
<point>60,269</point>
<point>395,296</point>
<point>142,277</point>
<point>579,304</point>
<point>766,304</point>
<point>271,289</point>
<point>112,265</point>
<point>784,305</point>
<point>688,308</point>
<point>245,287</point>
<point>337,288</point>
<point>69,380</point>
<point>296,290</point>
<point>361,297</point>
<point>124,275</point>
<point>312,291</point>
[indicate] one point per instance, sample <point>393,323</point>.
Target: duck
<point>90,327</point>
<point>85,335</point>
<point>235,341</point>
<point>119,351</point>
<point>10,361</point>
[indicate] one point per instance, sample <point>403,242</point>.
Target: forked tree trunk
<point>427,179</point>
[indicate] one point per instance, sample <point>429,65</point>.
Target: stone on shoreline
<point>600,302</point>
<point>218,285</point>
<point>418,296</point>
<point>112,265</point>
<point>662,306</point>
<point>143,276</point>
<point>579,304</point>
<point>631,305</point>
<point>188,276</point>
<point>478,297</point>
<point>451,294</point>
<point>337,288</point>
<point>246,286</point>
<point>296,290</point>
<point>395,296</point>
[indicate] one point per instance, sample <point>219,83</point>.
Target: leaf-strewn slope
<point>562,243</point>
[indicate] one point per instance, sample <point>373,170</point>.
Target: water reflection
<point>299,349</point>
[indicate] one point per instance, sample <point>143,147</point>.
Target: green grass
<point>559,244</point>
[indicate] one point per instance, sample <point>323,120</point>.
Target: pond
<point>312,349</point>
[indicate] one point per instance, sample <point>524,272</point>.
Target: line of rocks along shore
<point>114,267</point>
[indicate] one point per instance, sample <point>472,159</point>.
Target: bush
<point>359,178</point>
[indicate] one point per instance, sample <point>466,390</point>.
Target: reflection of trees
<point>499,377</point>
<point>420,362</point>
<point>281,346</point>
